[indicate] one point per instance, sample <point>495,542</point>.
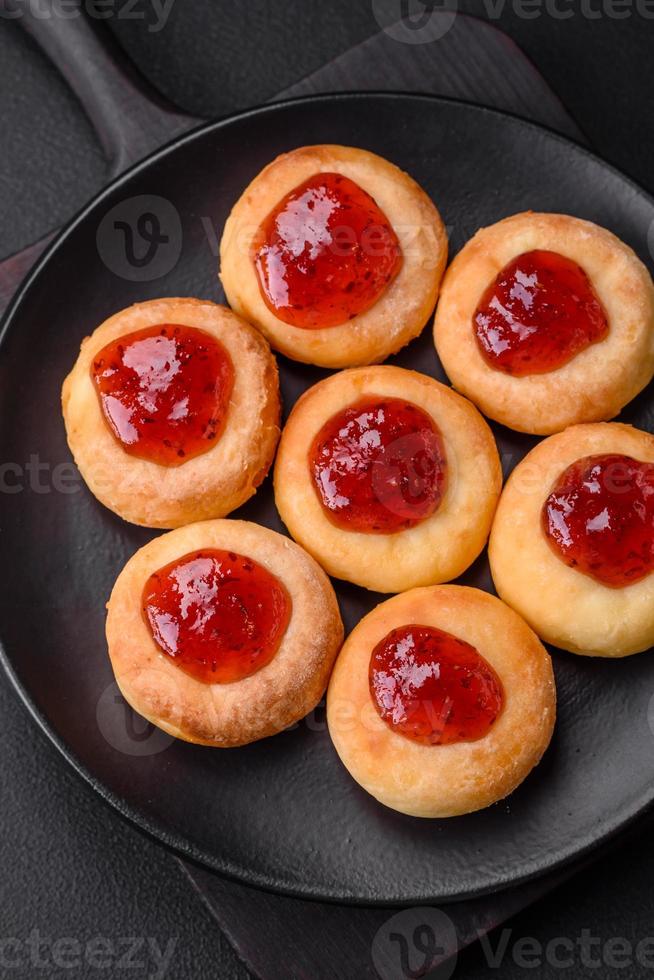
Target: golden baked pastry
<point>222,632</point>
<point>441,702</point>
<point>388,478</point>
<point>545,320</point>
<point>335,254</point>
<point>172,411</point>
<point>572,544</point>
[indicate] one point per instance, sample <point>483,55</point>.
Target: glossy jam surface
<point>164,391</point>
<point>220,616</point>
<point>325,254</point>
<point>379,466</point>
<point>540,312</point>
<point>432,687</point>
<point>599,518</point>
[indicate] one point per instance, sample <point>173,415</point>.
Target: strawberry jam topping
<point>164,391</point>
<point>432,687</point>
<point>325,254</point>
<point>220,616</point>
<point>599,518</point>
<point>540,312</point>
<point>379,466</point>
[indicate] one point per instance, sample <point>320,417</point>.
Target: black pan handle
<point>130,118</point>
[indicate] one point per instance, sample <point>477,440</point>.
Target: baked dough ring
<point>439,548</point>
<point>444,780</point>
<point>564,606</point>
<point>402,310</point>
<point>209,485</point>
<point>596,383</point>
<point>264,703</point>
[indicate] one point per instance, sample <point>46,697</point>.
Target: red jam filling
<point>164,391</point>
<point>540,312</point>
<point>379,466</point>
<point>432,687</point>
<point>325,254</point>
<point>220,616</point>
<point>599,518</point>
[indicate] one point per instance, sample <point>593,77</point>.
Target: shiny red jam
<point>540,312</point>
<point>599,518</point>
<point>220,616</point>
<point>432,687</point>
<point>164,391</point>
<point>379,466</point>
<point>325,254</point>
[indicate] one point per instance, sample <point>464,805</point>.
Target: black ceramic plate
<point>284,814</point>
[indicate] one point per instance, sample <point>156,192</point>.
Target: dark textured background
<point>70,866</point>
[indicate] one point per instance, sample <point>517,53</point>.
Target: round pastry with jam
<point>222,632</point>
<point>546,321</point>
<point>388,478</point>
<point>335,254</point>
<point>572,544</point>
<point>441,702</point>
<point>172,411</point>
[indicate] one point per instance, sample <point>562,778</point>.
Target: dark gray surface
<point>213,58</point>
<point>321,937</point>
<point>51,162</point>
<point>72,867</point>
<point>472,61</point>
<point>600,70</point>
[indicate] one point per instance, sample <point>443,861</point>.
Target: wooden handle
<point>129,117</point>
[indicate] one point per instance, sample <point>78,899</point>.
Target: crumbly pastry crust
<point>593,386</point>
<point>402,310</point>
<point>444,780</point>
<point>266,702</point>
<point>209,485</point>
<point>436,550</point>
<point>566,607</point>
